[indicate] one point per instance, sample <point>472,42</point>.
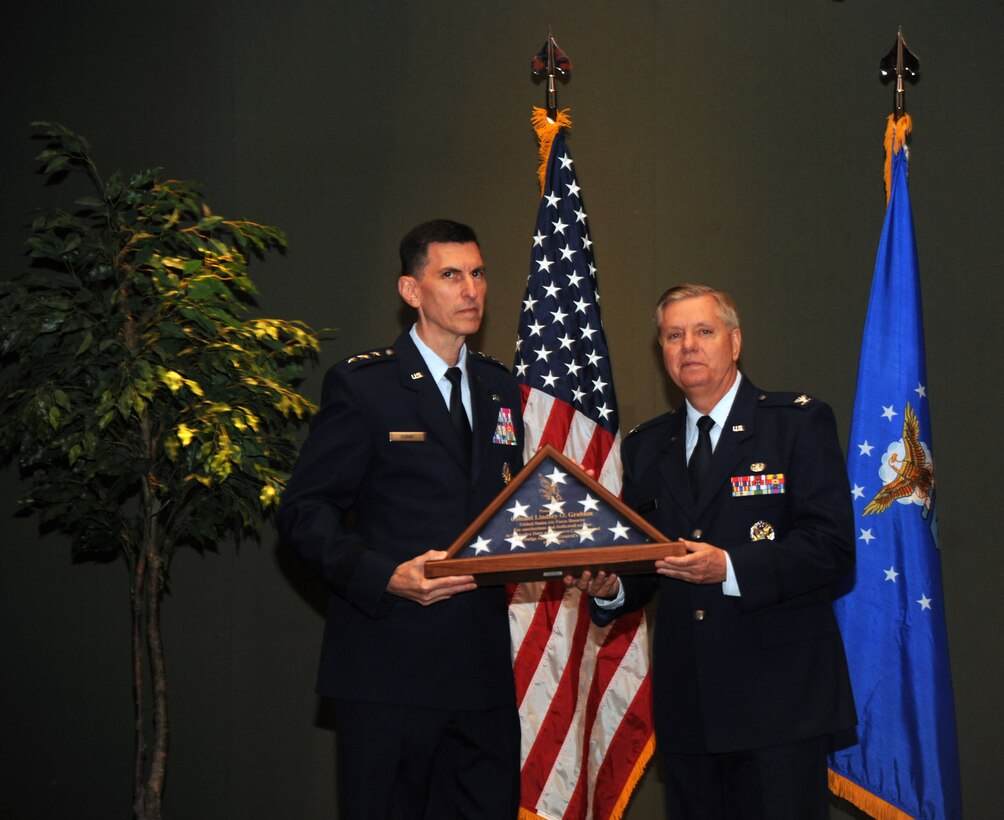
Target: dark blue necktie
<point>701,457</point>
<point>457,412</point>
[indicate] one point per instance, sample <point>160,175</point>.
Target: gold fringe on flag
<point>866,801</point>
<point>546,131</point>
<point>617,812</point>
<point>895,138</point>
<point>639,769</point>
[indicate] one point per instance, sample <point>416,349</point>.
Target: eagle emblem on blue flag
<point>907,470</point>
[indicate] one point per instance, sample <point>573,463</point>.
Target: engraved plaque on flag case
<point>553,520</point>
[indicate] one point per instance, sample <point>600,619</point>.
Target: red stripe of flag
<point>552,733</point>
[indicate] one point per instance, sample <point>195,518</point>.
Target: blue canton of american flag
<point>561,350</point>
<point>893,619</point>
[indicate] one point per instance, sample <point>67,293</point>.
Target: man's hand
<point>703,564</point>
<point>409,581</point>
<point>603,585</point>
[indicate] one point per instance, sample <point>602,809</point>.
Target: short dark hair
<point>414,248</point>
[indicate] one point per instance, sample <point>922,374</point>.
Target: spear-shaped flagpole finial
<point>551,62</point>
<point>900,63</point>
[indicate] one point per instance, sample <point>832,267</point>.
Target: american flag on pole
<point>584,693</point>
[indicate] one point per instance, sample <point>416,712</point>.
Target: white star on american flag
<point>481,545</point>
<point>555,507</point>
<point>557,477</point>
<point>515,542</point>
<point>619,531</point>
<point>518,510</point>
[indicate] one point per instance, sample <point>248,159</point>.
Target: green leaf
<point>136,280</point>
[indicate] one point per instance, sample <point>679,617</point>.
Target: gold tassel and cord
<point>895,138</point>
<point>546,131</point>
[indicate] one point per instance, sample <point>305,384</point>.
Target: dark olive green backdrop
<point>738,143</point>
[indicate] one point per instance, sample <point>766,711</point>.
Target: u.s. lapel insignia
<point>506,473</point>
<point>738,428</point>
<point>505,431</point>
<point>416,375</point>
<point>757,467</point>
<point>761,531</point>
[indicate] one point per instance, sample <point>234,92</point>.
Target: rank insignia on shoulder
<point>802,400</point>
<point>372,354</point>
<point>488,358</point>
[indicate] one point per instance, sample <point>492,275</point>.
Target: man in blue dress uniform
<point>412,441</point>
<point>750,683</point>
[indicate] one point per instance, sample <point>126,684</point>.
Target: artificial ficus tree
<point>147,407</point>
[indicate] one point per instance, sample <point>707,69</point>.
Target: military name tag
<point>770,484</point>
<point>407,436</point>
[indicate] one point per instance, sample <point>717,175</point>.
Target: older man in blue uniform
<point>410,444</point>
<point>750,680</point>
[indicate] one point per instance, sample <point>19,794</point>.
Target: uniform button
<point>698,614</point>
<point>696,534</point>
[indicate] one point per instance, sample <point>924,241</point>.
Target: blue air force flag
<point>893,617</point>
